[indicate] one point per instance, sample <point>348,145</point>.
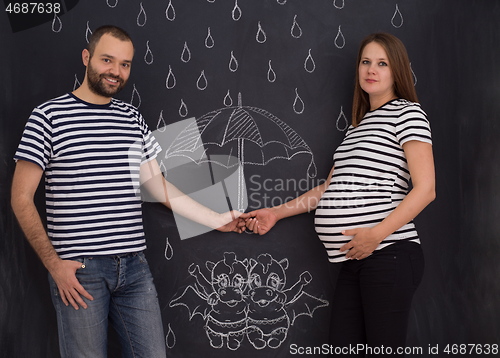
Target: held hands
<point>258,221</point>
<point>261,221</point>
<point>232,221</point>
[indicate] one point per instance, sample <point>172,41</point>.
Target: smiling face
<point>108,68</point>
<point>375,75</point>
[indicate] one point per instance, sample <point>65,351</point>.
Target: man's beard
<point>97,85</point>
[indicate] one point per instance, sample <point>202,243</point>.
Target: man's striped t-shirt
<point>91,155</point>
<point>371,175</point>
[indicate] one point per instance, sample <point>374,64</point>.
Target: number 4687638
<point>33,8</point>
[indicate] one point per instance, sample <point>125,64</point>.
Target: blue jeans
<point>125,295</point>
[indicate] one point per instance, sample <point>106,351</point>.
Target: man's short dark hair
<point>112,30</point>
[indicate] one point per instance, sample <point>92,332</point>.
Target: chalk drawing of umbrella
<point>245,136</point>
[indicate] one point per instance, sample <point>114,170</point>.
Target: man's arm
<point>166,193</point>
<point>27,176</point>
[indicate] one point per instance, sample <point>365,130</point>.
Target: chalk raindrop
<point>261,35</point>
<point>233,63</point>
<point>397,18</point>
<point>339,39</point>
<point>183,110</point>
<point>148,57</point>
<point>309,64</point>
<point>298,103</point>
<point>186,53</point>
<point>202,82</point>
<point>142,18</point>
<point>57,24</point>
<point>236,13</point>
<point>271,75</point>
<point>296,31</point>
<point>170,11</point>
<point>209,40</point>
<point>170,82</point>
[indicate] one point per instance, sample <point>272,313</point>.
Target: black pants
<point>372,301</point>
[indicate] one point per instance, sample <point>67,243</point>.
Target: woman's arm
<point>421,165</point>
<point>262,220</point>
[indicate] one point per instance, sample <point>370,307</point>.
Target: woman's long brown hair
<point>399,63</point>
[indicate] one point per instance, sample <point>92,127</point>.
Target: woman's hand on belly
<point>364,242</point>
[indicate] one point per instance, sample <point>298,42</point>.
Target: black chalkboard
<point>285,69</point>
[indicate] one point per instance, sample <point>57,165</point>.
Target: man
<point>96,151</point>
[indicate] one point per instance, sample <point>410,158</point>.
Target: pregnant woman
<point>365,210</point>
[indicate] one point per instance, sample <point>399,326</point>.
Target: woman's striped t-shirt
<point>91,155</point>
<point>371,175</point>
